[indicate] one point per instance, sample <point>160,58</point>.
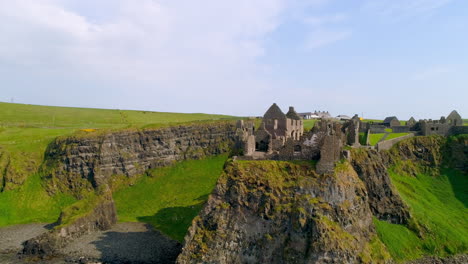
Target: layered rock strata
<point>87,162</point>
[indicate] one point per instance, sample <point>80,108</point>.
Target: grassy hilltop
<point>25,132</point>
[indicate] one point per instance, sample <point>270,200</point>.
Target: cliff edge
<point>284,212</point>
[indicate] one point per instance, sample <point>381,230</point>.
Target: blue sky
<point>371,57</point>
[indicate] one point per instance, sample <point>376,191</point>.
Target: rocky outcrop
<point>86,162</point>
<point>422,151</point>
<point>88,215</point>
<point>4,168</point>
<point>427,154</point>
<point>384,201</point>
<point>284,212</point>
<point>456,152</point>
<point>14,169</point>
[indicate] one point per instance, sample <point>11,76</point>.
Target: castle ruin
<point>281,136</point>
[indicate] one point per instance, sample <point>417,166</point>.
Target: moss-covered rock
<point>283,212</point>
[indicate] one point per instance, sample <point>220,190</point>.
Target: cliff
<point>384,201</point>
<point>284,212</point>
<point>86,162</point>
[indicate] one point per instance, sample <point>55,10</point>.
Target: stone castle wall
<point>387,144</point>
<point>458,130</point>
<point>400,129</point>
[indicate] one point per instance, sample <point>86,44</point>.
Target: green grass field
<point>170,197</point>
<point>309,124</point>
<point>439,206</point>
<point>395,135</point>
<point>375,138</point>
<point>31,203</point>
<point>373,120</point>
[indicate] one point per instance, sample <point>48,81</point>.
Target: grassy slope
<point>375,138</point>
<point>170,197</point>
<point>25,132</point>
<point>395,135</point>
<point>309,124</point>
<point>30,203</point>
<point>438,204</point>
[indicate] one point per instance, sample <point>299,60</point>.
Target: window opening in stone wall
<point>261,146</point>
<point>297,148</point>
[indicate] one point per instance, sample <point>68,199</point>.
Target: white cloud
<point>320,38</point>
<point>191,49</point>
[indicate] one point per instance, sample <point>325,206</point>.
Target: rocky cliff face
<point>10,174</point>
<point>283,212</point>
<point>414,155</point>
<point>384,201</point>
<point>456,150</point>
<point>78,163</point>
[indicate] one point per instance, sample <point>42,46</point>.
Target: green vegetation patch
<point>31,203</point>
<point>79,209</point>
<point>375,138</point>
<point>363,138</point>
<point>401,242</point>
<point>169,198</point>
<point>439,208</point>
<point>395,135</point>
<point>309,124</point>
<point>375,251</point>
<point>372,120</point>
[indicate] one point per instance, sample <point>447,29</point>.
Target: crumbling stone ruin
<point>452,125</point>
<point>281,137</point>
<point>275,130</point>
<point>411,122</point>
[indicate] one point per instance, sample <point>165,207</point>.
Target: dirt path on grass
<point>124,243</point>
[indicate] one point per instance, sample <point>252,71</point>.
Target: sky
<point>374,58</point>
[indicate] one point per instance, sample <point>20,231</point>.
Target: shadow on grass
<point>175,221</point>
<point>459,182</point>
<point>137,247</point>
